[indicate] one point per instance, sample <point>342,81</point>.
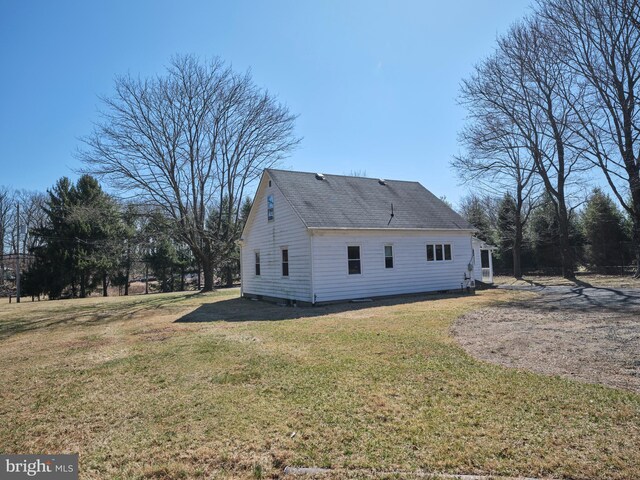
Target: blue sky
<point>374,82</point>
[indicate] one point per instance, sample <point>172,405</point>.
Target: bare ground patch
<point>594,345</point>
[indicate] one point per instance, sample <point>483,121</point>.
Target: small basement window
<point>270,207</point>
<point>257,263</point>
<point>439,252</point>
<point>388,256</point>
<point>353,260</point>
<point>285,262</point>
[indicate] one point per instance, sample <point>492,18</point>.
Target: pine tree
<point>604,230</point>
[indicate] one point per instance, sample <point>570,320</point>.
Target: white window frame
<point>257,262</point>
<point>384,254</point>
<point>270,208</point>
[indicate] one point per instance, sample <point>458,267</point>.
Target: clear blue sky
<point>374,82</point>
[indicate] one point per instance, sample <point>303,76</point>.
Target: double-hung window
<point>270,207</point>
<point>388,256</point>
<point>285,262</point>
<point>257,263</point>
<point>353,259</point>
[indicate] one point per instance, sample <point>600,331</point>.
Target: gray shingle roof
<point>356,202</point>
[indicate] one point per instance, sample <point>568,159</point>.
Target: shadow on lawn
<point>245,310</point>
<point>85,315</point>
<point>580,296</point>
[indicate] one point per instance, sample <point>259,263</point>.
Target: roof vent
<point>382,181</point>
<point>319,176</point>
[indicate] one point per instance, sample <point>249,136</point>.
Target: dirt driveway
<point>581,332</point>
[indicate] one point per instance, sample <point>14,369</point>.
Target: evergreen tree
<point>543,234</point>
<point>507,233</point>
<point>163,260</point>
<point>78,243</point>
<point>603,227</point>
<point>476,211</point>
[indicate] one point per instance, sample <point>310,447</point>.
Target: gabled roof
<point>338,201</point>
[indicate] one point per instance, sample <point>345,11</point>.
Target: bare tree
<point>531,92</point>
<point>6,222</point>
<point>599,41</point>
<point>32,216</point>
<point>188,142</point>
<point>497,161</point>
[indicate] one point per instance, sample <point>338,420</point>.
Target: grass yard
<point>241,389</point>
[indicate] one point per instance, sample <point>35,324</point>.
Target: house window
<point>257,263</point>
<point>285,262</point>
<point>270,207</point>
<point>353,258</point>
<point>388,256</point>
<point>430,255</point>
<point>439,252</point>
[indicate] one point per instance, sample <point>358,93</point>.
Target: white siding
<point>286,230</point>
<point>411,273</point>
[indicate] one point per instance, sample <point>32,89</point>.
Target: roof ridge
<point>344,176</point>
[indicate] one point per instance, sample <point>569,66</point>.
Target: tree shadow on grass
<point>580,296</point>
<point>85,314</point>
<point>245,310</point>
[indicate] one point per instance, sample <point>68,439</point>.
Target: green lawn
<point>376,386</point>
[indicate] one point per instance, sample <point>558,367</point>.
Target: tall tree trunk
<point>635,218</point>
<point>105,293</point>
<point>565,245</point>
<point>517,240</point>
<point>636,244</point>
<point>127,270</point>
<point>207,270</point>
<point>229,275</point>
<point>83,286</point>
<point>182,279</point>
<point>517,252</point>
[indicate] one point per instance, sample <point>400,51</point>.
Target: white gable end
<point>269,238</point>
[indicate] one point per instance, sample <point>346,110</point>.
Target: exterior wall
<point>286,230</point>
<point>411,273</point>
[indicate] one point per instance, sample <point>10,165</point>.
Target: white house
<point>321,238</point>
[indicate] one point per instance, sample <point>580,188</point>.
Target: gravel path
<point>585,333</point>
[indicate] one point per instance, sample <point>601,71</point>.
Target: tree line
<point>76,240</point>
<point>554,105</point>
<point>600,233</point>
<point>179,152</point>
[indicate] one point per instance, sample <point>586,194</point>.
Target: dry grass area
<point>582,279</point>
<point>596,345</point>
<point>240,389</point>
